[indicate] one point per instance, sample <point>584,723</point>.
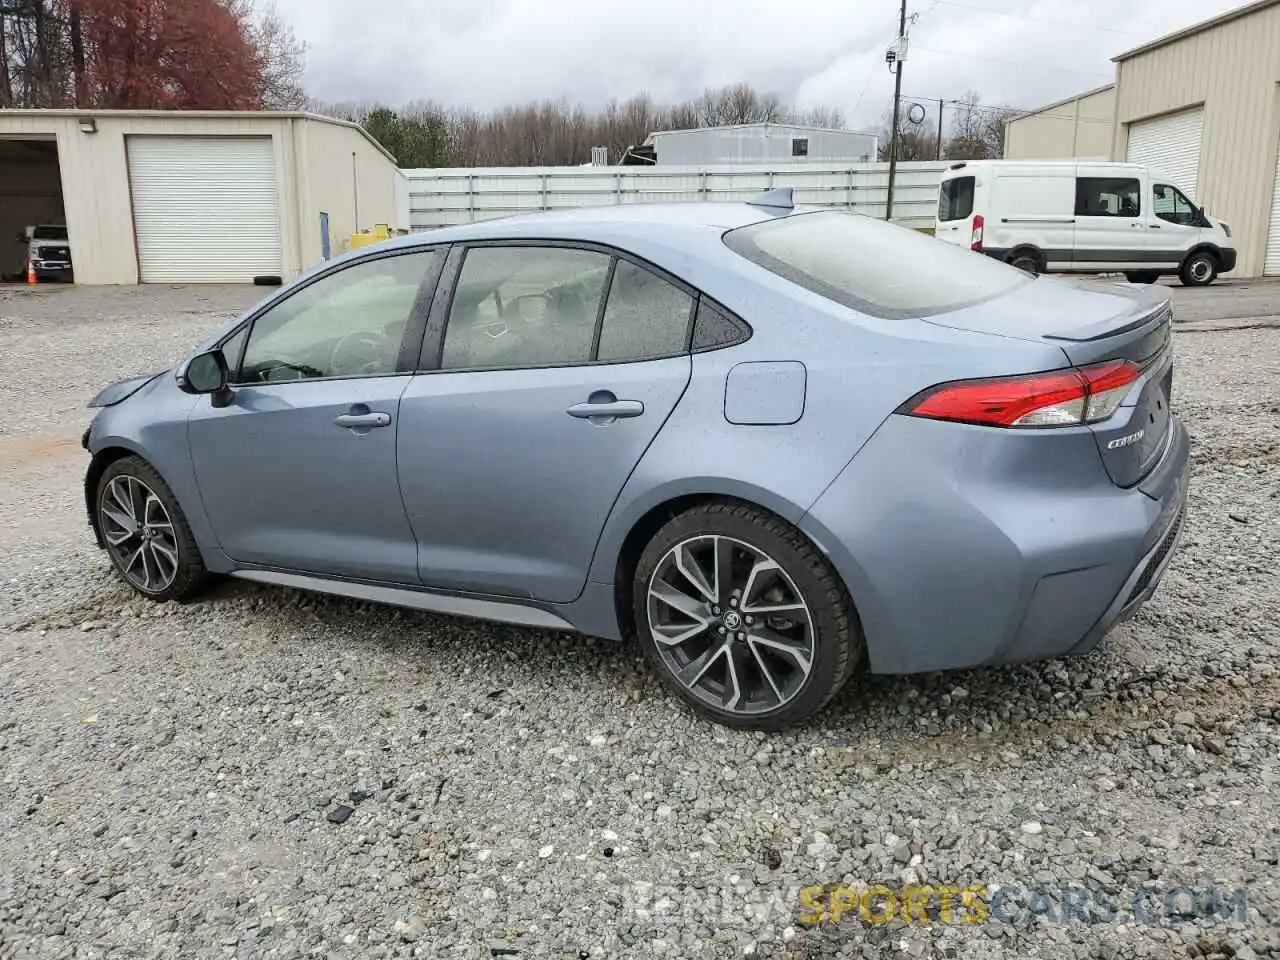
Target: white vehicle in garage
<point>48,251</point>
<point>1082,217</point>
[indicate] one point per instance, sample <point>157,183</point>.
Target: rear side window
<point>872,266</point>
<point>955,199</point>
<point>1108,197</point>
<point>645,317</point>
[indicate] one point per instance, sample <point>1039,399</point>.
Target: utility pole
<point>895,58</point>
<point>937,154</point>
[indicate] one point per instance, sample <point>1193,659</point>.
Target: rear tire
<point>1142,276</point>
<point>1028,262</point>
<point>743,618</point>
<point>1199,270</point>
<point>146,533</point>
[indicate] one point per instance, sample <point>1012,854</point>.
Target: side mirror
<point>207,373</point>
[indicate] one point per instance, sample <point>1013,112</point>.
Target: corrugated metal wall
<point>442,197</point>
<point>1077,129</point>
<point>1234,71</point>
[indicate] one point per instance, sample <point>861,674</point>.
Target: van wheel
<point>1027,261</point>
<point>1142,276</point>
<point>1199,270</point>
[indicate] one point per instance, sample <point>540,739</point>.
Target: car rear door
<point>548,369</point>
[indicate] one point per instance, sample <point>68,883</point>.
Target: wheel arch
<point>103,458</point>
<point>1212,249</point>
<point>643,528</point>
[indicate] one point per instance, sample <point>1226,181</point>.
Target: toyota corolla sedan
<point>773,443</point>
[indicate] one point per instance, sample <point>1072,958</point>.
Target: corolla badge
<point>1132,438</point>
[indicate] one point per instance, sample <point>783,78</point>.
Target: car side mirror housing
<point>207,373</point>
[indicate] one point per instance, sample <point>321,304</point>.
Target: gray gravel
<point>267,773</point>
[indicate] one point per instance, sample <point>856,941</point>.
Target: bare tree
<point>977,131</point>
<point>916,141</point>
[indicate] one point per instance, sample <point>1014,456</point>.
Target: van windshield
<point>49,233</point>
<point>875,267</point>
<point>955,199</point>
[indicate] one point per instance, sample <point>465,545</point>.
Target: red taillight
<point>975,238</point>
<point>1061,398</point>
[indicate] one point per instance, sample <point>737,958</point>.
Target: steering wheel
<point>362,352</point>
<point>266,368</point>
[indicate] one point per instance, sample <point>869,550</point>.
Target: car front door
<point>1174,227</point>
<point>1110,231</point>
<point>546,377</point>
<point>298,470</point>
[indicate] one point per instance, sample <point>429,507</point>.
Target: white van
<point>1082,216</point>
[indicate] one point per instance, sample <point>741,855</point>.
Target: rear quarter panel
<point>858,370</point>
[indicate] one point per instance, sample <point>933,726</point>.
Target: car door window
<point>347,324</point>
<point>524,307</point>
<point>1108,197</point>
<point>645,316</point>
<point>1172,206</point>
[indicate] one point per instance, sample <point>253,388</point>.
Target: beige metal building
<point>1076,127</point>
<point>190,197</point>
<point>1203,106</point>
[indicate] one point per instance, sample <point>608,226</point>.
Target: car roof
<point>692,221</point>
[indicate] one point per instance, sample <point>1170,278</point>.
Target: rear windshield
<point>874,267</point>
<point>955,199</point>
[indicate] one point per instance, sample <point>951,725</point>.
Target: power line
<point>1016,112</point>
<point>1012,63</point>
<point>1024,16</point>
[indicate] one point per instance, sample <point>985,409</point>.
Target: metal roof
<point>200,115</point>
<point>1236,14</point>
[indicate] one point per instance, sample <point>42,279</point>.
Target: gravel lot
<point>172,776</point>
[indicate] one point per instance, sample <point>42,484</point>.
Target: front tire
<point>743,618</point>
<point>146,533</point>
<point>1199,270</point>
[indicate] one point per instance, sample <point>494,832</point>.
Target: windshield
<point>874,267</point>
<point>49,233</point>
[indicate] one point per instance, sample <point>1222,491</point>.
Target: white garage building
<point>192,197</point>
<point>1203,106</point>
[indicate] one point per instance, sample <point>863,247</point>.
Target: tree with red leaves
<point>147,54</point>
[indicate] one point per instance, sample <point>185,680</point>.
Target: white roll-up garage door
<point>1271,261</point>
<point>205,209</point>
<point>1170,146</point>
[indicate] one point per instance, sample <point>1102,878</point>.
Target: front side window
<point>955,199</point>
<point>1172,205</point>
<point>347,324</point>
<point>875,267</point>
<point>1108,197</point>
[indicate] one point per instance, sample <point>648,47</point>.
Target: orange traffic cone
<point>31,273</point>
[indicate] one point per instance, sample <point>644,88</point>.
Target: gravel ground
<point>267,773</point>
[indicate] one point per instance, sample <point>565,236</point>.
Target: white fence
<point>442,197</point>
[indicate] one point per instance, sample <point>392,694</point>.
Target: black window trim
<point>414,329</point>
<point>431,353</point>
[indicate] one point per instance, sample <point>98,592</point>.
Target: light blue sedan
<point>774,443</point>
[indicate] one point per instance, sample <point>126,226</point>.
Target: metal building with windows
<point>192,197</point>
<point>1202,105</point>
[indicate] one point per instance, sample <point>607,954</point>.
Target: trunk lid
<point>1092,323</point>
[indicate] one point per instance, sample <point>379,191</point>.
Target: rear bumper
<point>966,547</point>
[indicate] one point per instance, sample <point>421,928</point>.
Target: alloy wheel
<point>139,533</point>
<point>730,624</point>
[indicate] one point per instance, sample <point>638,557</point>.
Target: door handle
<point>1154,226</point>
<point>603,407</point>
<point>366,421</point>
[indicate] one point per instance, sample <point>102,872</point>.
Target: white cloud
<point>489,53</point>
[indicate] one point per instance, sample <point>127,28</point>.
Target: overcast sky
<point>489,53</point>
